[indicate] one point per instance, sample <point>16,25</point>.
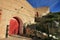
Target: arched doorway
<point>15,26</point>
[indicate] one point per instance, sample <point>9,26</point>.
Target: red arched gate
<point>15,26</point>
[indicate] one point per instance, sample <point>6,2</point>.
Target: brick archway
<point>15,26</point>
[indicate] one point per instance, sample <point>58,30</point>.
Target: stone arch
<point>18,24</point>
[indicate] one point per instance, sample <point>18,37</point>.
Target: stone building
<point>19,9</point>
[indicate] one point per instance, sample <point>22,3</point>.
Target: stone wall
<point>42,11</point>
<point>15,8</point>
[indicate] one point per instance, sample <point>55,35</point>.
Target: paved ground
<point>16,38</point>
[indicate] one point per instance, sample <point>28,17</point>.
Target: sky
<point>54,5</point>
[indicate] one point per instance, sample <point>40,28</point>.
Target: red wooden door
<point>13,27</point>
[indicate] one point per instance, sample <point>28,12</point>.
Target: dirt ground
<point>16,38</point>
